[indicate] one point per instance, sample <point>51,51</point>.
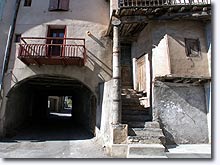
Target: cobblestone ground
<point>54,138</point>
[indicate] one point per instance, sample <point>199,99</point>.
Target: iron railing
<point>157,3</point>
<point>52,47</point>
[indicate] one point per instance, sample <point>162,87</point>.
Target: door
<point>55,43</point>
<point>141,74</point>
<point>126,66</point>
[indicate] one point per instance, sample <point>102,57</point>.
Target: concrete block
<point>146,157</point>
<point>146,150</point>
<point>119,150</point>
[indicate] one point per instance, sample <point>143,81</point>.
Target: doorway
<point>126,66</point>
<point>55,41</point>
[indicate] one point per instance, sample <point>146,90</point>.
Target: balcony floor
<point>30,60</point>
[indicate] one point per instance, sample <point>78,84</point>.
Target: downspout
<point>9,43</point>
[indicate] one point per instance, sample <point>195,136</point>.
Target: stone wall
<point>17,109</point>
<point>181,110</point>
<point>104,111</point>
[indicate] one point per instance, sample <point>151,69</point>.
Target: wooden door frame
<point>56,27</point>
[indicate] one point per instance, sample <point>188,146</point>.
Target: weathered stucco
<point>78,21</point>
<point>5,22</point>
<point>180,63</point>
<point>181,110</point>
<point>164,41</point>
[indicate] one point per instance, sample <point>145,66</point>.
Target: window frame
<point>27,3</point>
<point>192,47</point>
<point>58,5</point>
<point>17,38</point>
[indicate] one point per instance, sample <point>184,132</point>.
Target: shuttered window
<point>192,47</point>
<point>27,3</point>
<point>59,5</point>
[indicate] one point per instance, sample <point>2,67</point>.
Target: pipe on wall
<point>9,42</point>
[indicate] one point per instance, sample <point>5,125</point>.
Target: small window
<point>59,5</point>
<point>17,38</point>
<point>192,47</point>
<point>27,2</point>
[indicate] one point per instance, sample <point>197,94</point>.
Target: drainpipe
<point>116,109</point>
<point>9,42</point>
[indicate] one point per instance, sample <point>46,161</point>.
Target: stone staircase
<point>145,138</point>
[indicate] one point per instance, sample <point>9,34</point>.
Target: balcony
<point>160,3</point>
<point>136,14</point>
<point>52,51</point>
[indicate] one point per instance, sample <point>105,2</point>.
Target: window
<point>59,5</point>
<point>27,2</point>
<point>192,47</point>
<point>17,38</point>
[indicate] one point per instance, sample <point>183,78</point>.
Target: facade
<point>138,71</point>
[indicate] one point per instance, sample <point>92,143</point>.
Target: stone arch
<point>28,99</point>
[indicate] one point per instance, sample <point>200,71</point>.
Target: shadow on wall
<point>98,64</point>
<point>183,121</point>
<point>169,139</point>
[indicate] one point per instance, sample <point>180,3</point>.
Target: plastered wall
<point>165,42</point>
<point>78,21</point>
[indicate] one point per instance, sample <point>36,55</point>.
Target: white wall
<point>82,16</point>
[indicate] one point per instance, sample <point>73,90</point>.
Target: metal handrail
<point>157,3</point>
<point>43,47</point>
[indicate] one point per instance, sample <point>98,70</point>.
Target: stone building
<point>138,71</point>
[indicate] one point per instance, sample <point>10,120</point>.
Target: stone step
<point>145,150</point>
<point>128,96</point>
<point>135,124</point>
<point>135,102</point>
<point>133,108</point>
<point>147,132</point>
<point>133,118</point>
<point>135,112</point>
<point>145,139</point>
<point>153,124</point>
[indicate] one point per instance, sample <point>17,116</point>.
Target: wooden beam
<point>134,19</point>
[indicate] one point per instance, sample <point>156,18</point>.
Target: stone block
<point>119,134</point>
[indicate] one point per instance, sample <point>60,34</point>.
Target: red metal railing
<point>52,48</point>
<point>156,3</point>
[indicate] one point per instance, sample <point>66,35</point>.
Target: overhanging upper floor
<point>136,14</point>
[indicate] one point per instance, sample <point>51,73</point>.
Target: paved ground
<point>59,137</point>
<point>55,138</point>
<point>189,151</point>
<point>52,149</point>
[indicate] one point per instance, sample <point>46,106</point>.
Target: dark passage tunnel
<point>29,114</point>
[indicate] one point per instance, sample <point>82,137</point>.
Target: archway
<point>30,104</point>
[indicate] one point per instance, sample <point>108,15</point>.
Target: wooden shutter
<point>64,5</point>
<point>141,74</point>
<point>53,5</point>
